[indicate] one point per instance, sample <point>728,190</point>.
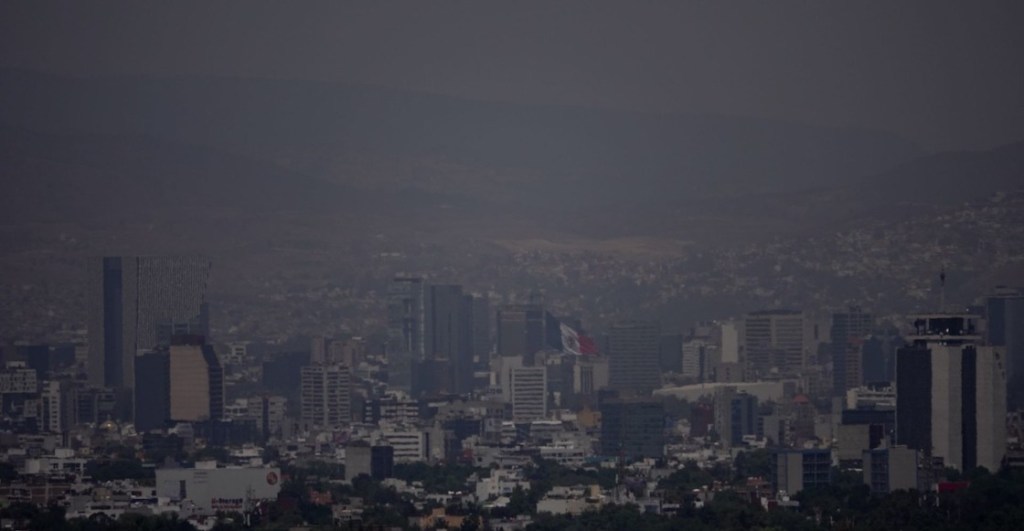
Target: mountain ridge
<point>597,154</point>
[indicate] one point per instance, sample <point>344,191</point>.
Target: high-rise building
<point>348,351</point>
<point>138,304</point>
<point>37,358</point>
<point>282,374</point>
<point>529,393</point>
<point>633,353</point>
<point>392,408</point>
<point>796,470</point>
<point>1005,328</point>
<point>376,462</point>
<point>449,335</point>
<point>951,393</point>
<point>445,320</point>
<point>406,330</point>
<point>632,428</point>
<point>730,351</point>
<point>318,346</point>
<point>521,331</point>
<point>590,375</point>
<point>409,444</point>
<point>94,405</point>
<point>735,416</point>
<point>269,412</point>
<point>878,355</point>
<point>481,331</point>
<point>670,349</point>
<point>849,330</point>
<point>326,396</point>
<point>17,379</point>
<point>153,407</point>
<point>58,406</point>
<point>196,381</point>
<point>431,378</point>
<point>890,469</point>
<point>775,339</point>
<point>698,359</point>
<point>183,382</point>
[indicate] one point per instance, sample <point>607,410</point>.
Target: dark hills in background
<point>77,149</point>
<point>76,176</point>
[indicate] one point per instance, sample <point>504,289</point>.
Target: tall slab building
<point>449,336</point>
<point>137,304</point>
<point>634,354</point>
<point>1005,328</point>
<point>951,393</point>
<point>521,330</point>
<point>406,330</point>
<point>775,339</point>
<point>196,382</point>
<point>849,329</point>
<point>326,396</point>
<point>180,383</point>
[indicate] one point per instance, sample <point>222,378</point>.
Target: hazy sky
<point>946,74</point>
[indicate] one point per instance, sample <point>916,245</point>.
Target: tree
<point>754,463</point>
<point>519,502</point>
<point>271,454</point>
<point>678,486</point>
<point>118,469</point>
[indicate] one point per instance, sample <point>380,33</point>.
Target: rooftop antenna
<point>942,289</point>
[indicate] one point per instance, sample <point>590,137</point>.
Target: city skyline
<point>518,265</point>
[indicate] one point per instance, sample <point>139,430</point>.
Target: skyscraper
<point>449,336</point>
<point>481,331</point>
<point>326,396</point>
<point>774,339</point>
<point>138,304</point>
<point>730,342</point>
<point>670,348</point>
<point>951,393</point>
<point>521,331</point>
<point>181,382</point>
<point>153,407</point>
<point>878,355</point>
<point>1005,326</point>
<point>57,401</point>
<point>634,354</point>
<point>848,333</point>
<point>735,416</point>
<point>698,357</point>
<point>406,330</point>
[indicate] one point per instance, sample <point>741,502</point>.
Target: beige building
<point>196,383</point>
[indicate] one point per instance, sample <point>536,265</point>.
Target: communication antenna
<point>942,289</point>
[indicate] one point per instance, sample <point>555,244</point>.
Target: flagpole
<point>942,290</point>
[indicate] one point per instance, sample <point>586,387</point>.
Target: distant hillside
<point>106,181</point>
<point>920,186</point>
<point>73,149</point>
<point>954,177</point>
<point>594,156</point>
<point>64,177</point>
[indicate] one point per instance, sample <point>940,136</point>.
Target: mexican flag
<point>575,343</point>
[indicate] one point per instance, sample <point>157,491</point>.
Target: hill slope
<point>597,156</point>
